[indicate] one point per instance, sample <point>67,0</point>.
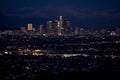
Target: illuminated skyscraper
<point>59,28</point>
<point>41,29</point>
<point>60,24</point>
<point>50,27</point>
<point>61,21</point>
<point>67,27</point>
<point>55,24</point>
<point>30,27</point>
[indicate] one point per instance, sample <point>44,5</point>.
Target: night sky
<point>95,14</point>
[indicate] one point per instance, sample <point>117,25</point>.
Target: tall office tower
<point>60,24</point>
<point>50,27</point>
<point>23,29</point>
<point>41,29</point>
<point>59,28</point>
<point>67,27</point>
<point>30,27</point>
<point>55,24</point>
<point>61,21</point>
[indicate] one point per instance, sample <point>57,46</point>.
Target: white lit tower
<point>59,28</point>
<point>61,21</point>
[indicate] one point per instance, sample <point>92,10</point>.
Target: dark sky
<point>82,13</point>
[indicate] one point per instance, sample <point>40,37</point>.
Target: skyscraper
<point>50,27</point>
<point>30,27</point>
<point>41,29</point>
<point>60,25</point>
<point>55,24</point>
<point>61,21</point>
<point>59,28</point>
<point>67,27</point>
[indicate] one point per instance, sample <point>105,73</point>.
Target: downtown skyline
<point>87,14</point>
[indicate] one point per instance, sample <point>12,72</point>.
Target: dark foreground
<point>16,67</point>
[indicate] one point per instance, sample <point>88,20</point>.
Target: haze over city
<point>95,14</point>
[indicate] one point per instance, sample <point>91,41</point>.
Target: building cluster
<point>61,27</point>
<point>56,27</point>
<point>64,27</point>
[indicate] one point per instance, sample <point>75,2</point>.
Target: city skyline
<point>87,14</point>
